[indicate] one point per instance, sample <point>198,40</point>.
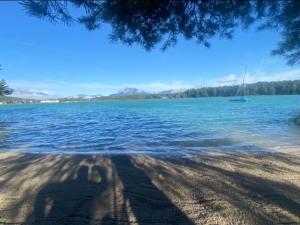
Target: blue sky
<point>68,60</point>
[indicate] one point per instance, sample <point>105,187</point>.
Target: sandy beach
<point>228,188</point>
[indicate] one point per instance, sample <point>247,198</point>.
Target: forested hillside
<point>260,88</point>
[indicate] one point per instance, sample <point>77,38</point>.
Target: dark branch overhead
<point>162,22</point>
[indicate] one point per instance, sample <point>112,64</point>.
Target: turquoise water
<point>175,126</point>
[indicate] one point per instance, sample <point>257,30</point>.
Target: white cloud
<point>283,75</point>
<point>233,79</point>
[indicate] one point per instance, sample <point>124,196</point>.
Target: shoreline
<point>107,99</point>
<point>228,188</point>
<point>208,152</point>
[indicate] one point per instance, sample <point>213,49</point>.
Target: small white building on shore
<point>50,101</point>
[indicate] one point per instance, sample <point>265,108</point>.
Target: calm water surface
<point>178,126</point>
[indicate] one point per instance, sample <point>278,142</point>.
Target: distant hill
<point>83,96</point>
<point>138,92</point>
<point>168,92</point>
<point>129,92</point>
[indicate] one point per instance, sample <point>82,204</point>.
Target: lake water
<point>175,126</point>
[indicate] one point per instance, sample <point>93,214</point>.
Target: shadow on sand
<point>231,188</point>
<point>149,204</point>
<point>71,201</point>
<point>74,201</point>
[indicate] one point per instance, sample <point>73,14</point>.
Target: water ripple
<point>182,126</point>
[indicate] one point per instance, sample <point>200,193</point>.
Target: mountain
<point>174,91</point>
<point>25,94</point>
<point>129,92</point>
<point>83,96</point>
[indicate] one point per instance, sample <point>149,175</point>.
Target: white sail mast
<point>243,82</point>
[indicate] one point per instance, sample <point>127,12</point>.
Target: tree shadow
<point>123,194</point>
<point>240,189</point>
<point>233,187</point>
<point>71,201</point>
<point>149,204</point>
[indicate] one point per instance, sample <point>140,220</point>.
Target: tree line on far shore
<point>259,88</point>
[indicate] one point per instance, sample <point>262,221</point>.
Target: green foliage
<point>4,89</point>
<point>150,22</point>
<point>297,120</point>
<point>260,88</point>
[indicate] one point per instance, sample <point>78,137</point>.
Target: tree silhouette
<point>152,22</point>
<point>4,89</point>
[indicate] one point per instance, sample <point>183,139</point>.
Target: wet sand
<point>228,188</point>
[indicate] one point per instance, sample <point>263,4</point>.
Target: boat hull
<point>239,100</point>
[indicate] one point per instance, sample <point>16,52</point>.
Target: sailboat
<point>240,93</point>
